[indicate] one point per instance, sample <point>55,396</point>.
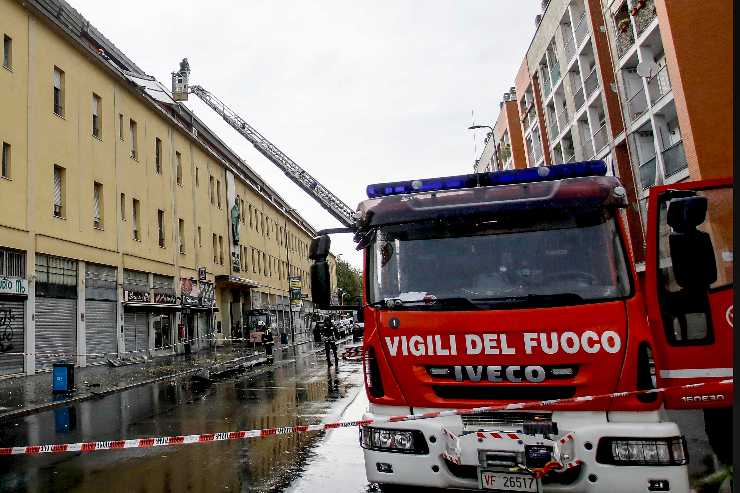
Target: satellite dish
<point>646,69</point>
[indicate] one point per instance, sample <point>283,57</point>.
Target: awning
<point>238,281</point>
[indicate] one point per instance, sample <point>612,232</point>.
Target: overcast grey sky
<point>355,92</point>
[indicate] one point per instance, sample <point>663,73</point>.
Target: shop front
<point>13,296</point>
<point>149,313</point>
<point>198,306</point>
<point>56,311</point>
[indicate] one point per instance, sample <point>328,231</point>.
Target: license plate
<point>499,481</point>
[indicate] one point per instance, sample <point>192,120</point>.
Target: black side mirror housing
<point>319,248</point>
<point>692,252</point>
<point>320,284</point>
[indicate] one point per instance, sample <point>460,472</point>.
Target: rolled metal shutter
<point>135,333</point>
<point>56,330</point>
<point>100,330</point>
<point>12,336</point>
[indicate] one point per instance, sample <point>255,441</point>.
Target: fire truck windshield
<point>501,263</point>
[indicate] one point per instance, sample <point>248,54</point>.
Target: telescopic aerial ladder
<point>333,204</point>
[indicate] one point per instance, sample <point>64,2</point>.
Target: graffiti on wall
<point>6,330</point>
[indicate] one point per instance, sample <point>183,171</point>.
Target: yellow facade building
<point>119,209</point>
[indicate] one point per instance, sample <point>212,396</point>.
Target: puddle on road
<point>298,393</point>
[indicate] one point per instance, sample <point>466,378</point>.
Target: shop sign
<point>165,298</point>
<point>13,285</point>
<point>136,296</point>
<point>207,294</point>
<point>189,291</point>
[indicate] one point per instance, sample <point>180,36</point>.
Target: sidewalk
<point>26,395</point>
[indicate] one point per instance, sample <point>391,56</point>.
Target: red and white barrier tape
<point>263,433</point>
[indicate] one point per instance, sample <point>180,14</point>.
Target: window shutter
<point>57,187</point>
<point>96,204</point>
<point>57,80</point>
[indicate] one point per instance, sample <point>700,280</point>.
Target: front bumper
<point>437,471</point>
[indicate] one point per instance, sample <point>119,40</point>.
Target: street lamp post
<point>494,157</point>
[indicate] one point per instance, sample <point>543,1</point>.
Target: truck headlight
<point>385,440</point>
<point>636,451</point>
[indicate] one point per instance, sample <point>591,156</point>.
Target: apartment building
<point>645,85</point>
<point>504,146</point>
<point>125,223</point>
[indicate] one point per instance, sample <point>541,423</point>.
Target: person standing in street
<point>329,333</point>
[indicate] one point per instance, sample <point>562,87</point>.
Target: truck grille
<point>503,392</point>
<point>502,421</point>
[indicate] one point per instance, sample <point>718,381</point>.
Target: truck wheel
<point>718,425</point>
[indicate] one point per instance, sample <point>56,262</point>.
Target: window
<point>12,263</point>
<point>123,207</point>
<point>241,210</point>
<point>200,238</point>
<point>220,249</point>
<point>97,114</point>
<point>59,191</point>
<point>5,168</point>
<point>210,190</point>
<point>133,130</point>
<point>120,127</point>
<point>218,193</point>
<point>135,215</point>
<point>58,91</point>
<point>7,51</point>
<point>215,249</point>
<point>254,263</point>
<point>160,227</point>
<point>158,155</point>
<point>181,235</point>
<point>178,169</point>
<point>197,177</point>
<point>251,222</point>
<point>97,205</point>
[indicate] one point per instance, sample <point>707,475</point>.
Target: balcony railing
<point>647,173</point>
<point>569,46</point>
<point>555,73</point>
<point>588,145</point>
<point>637,104</point>
<point>600,138</point>
<point>591,84</point>
<point>645,15</point>
<point>581,30</point>
<point>625,40</point>
<point>546,86</point>
<point>659,85</point>
<point>674,159</point>
<point>578,97</point>
<point>531,116</point>
<point>552,126</point>
<point>563,117</point>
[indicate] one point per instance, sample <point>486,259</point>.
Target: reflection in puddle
<point>292,394</point>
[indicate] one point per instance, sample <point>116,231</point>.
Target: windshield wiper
<point>533,299</point>
<point>431,304</point>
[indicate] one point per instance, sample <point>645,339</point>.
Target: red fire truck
<point>519,287</point>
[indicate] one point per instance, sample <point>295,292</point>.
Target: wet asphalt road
<point>299,389</point>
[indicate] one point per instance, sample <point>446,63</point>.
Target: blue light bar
<point>492,178</point>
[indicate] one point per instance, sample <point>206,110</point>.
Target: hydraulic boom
<point>333,204</point>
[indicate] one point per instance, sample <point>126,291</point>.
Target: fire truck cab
<point>516,291</point>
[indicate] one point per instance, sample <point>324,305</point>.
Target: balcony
<point>569,46</point>
<point>563,117</point>
<point>555,72</point>
<point>601,138</point>
<point>647,173</point>
<point>674,159</point>
<point>546,86</point>
<point>645,15</point>
<point>581,30</point>
<point>578,97</point>
<point>659,85</point>
<point>624,39</point>
<point>552,126</point>
<point>637,104</point>
<point>591,84</point>
<point>530,117</point>
<point>588,144</point>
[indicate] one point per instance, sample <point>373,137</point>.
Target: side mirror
<point>319,248</point>
<point>320,283</point>
<point>692,253</point>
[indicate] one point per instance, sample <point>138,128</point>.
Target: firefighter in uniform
<point>329,333</point>
<point>268,340</point>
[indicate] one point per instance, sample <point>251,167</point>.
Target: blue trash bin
<point>63,377</point>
